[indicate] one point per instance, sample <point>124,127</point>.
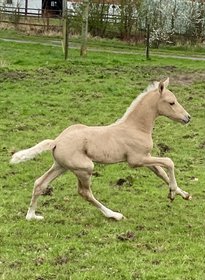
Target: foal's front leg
<point>169,165</point>
<point>159,171</point>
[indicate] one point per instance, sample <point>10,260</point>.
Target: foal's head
<point>168,105</point>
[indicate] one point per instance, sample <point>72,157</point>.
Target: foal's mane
<point>132,106</point>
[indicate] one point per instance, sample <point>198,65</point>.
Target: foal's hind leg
<point>39,186</point>
<point>84,179</point>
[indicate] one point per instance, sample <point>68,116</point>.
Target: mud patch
<point>61,260</point>
<point>177,77</point>
<point>13,76</point>
<point>127,236</point>
<point>121,182</point>
<point>188,78</point>
<point>163,149</point>
<point>48,191</point>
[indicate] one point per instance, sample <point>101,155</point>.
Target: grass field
<point>40,96</point>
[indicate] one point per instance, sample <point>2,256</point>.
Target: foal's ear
<point>166,82</point>
<point>163,85</point>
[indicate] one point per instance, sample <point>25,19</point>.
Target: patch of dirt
<point>177,77</point>
<point>127,236</point>
<point>61,260</point>
<point>163,149</point>
<point>128,181</point>
<point>12,76</point>
<point>188,78</point>
<point>48,191</point>
<point>166,68</point>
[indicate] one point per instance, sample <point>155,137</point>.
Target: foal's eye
<point>172,103</point>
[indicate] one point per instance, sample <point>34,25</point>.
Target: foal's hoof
<point>188,197</point>
<point>117,216</point>
<point>171,195</point>
<point>34,217</point>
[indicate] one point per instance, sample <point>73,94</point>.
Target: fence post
<point>65,29</point>
<point>83,50</point>
<point>148,41</point>
<point>26,8</point>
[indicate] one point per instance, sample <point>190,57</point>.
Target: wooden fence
<point>31,19</point>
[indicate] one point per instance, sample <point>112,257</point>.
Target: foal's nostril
<point>188,118</point>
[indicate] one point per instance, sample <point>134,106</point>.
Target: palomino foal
<point>127,140</point>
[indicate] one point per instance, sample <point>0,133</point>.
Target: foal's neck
<point>143,114</point>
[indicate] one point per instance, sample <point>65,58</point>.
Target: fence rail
<point>30,11</point>
<point>31,18</point>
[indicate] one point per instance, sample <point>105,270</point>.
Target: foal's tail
<point>45,145</point>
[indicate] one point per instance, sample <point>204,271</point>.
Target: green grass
<point>40,96</point>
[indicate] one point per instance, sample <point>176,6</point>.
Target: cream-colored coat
<point>129,139</point>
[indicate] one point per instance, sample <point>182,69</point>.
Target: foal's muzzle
<point>186,119</point>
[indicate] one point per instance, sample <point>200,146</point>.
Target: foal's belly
<point>106,154</point>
